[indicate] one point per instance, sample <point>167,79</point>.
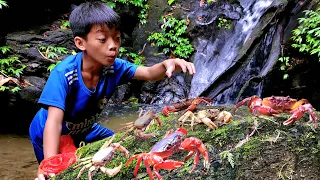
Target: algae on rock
<point>274,151</point>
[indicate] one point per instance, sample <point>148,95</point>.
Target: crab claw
<point>196,146</point>
<point>165,111</point>
<point>298,113</point>
<point>249,100</point>
<point>196,102</point>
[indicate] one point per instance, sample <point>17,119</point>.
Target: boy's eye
<point>118,38</point>
<point>102,39</point>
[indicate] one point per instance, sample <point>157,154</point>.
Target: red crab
<point>274,105</point>
<point>190,104</point>
<point>58,163</point>
<point>171,143</point>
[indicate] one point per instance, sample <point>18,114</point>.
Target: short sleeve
<point>55,91</point>
<point>126,69</point>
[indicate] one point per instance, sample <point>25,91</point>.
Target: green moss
<point>297,139</point>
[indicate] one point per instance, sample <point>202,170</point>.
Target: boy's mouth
<point>112,57</point>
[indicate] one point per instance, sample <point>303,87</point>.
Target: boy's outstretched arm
<point>160,70</point>
<point>51,135</point>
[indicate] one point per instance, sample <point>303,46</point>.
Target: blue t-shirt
<point>66,90</point>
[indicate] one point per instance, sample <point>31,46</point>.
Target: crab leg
<point>195,144</point>
<point>298,113</point>
<point>82,169</point>
<point>196,159</point>
<point>117,146</point>
<point>168,165</point>
<point>141,134</point>
<point>158,120</point>
<point>196,102</point>
<point>111,172</point>
<point>209,123</point>
<point>147,165</point>
<point>264,110</point>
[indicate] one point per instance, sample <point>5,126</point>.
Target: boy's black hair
<point>89,13</point>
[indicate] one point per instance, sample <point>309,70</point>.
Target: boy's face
<point>102,44</point>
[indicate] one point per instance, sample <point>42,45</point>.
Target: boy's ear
<point>80,43</point>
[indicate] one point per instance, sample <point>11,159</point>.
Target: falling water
<point>210,66</point>
<point>252,16</point>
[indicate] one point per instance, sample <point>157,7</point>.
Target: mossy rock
<point>274,151</point>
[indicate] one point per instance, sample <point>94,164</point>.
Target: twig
<point>46,57</point>
<point>142,49</point>
<point>12,79</point>
<point>187,9</point>
<point>269,120</point>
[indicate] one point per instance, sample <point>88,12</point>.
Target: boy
<point>78,87</point>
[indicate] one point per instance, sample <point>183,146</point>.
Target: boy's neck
<point>89,66</point>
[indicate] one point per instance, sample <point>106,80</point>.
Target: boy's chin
<point>109,62</point>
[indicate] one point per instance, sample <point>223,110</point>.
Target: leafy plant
<point>53,65</point>
<point>52,53</point>
<point>5,49</point>
<point>3,3</point>
<point>10,66</point>
<point>142,4</point>
<point>224,23</point>
<point>306,36</point>
<point>173,38</point>
<point>65,24</point>
<point>285,64</point>
<point>135,58</point>
<point>229,156</point>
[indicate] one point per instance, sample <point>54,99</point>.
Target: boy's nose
<point>112,45</point>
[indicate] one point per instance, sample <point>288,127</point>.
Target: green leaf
<point>3,3</point>
<point>170,2</point>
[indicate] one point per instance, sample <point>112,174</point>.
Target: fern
<point>229,156</point>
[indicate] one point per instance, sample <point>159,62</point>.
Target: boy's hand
<point>173,65</point>
<point>43,175</point>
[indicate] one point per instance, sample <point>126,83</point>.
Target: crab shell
<point>280,103</point>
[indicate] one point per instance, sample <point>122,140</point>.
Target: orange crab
<point>191,104</point>
<point>274,105</point>
<point>171,143</point>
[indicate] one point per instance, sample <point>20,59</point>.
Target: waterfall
<point>252,16</point>
<point>215,56</point>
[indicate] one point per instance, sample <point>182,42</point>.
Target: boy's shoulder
<point>69,63</point>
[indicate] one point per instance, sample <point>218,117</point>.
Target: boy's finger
<point>183,65</point>
<point>193,67</point>
<point>190,68</point>
<point>41,177</point>
<point>51,174</point>
<point>169,71</point>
